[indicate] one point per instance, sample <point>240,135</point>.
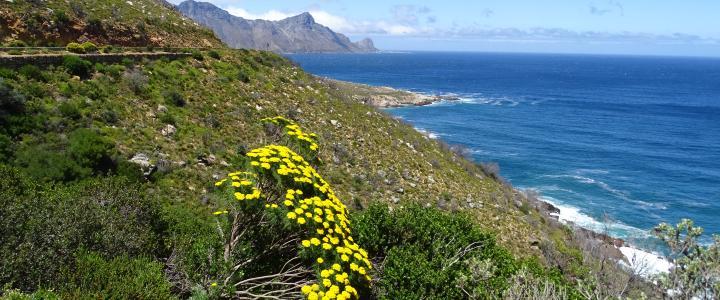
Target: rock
<point>141,159</point>
<point>335,123</point>
<point>400,191</point>
<point>224,163</point>
<point>381,173</point>
<point>216,176</point>
<point>394,199</point>
<point>162,108</point>
<point>412,185</point>
<point>169,130</point>
<point>431,179</point>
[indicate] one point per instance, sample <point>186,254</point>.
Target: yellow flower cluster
<point>294,131</point>
<point>312,205</point>
<point>243,184</point>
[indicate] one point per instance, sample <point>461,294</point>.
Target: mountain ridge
<point>297,34</point>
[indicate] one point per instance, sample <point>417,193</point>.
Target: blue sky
<point>660,27</point>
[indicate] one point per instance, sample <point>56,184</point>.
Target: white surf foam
<point>644,263</point>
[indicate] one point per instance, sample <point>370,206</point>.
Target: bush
<point>89,47</point>
<point>75,48</point>
<point>136,81</point>
<point>174,98</point>
<point>118,278</point>
<point>43,228</point>
<point>77,66</point>
<point>7,73</point>
<point>11,102</point>
<point>69,110</point>
<point>17,43</point>
<point>31,72</point>
<point>429,253</point>
<point>214,54</point>
<point>696,268</point>
<point>196,55</point>
<point>91,150</point>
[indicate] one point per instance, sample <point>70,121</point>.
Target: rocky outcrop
<point>298,34</point>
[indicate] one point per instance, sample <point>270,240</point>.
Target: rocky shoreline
<point>385,97</point>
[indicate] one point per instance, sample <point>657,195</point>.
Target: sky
<point>638,27</point>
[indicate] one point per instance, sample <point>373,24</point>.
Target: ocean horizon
<point>619,143</point>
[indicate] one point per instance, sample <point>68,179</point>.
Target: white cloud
<point>272,15</point>
<point>334,22</point>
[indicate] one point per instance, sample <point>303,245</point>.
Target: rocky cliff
<point>298,34</point>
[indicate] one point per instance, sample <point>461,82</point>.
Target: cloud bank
<point>418,22</point>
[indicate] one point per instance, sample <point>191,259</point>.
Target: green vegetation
<point>696,273</point>
<point>107,171</point>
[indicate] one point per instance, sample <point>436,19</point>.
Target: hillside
<point>104,22</point>
<point>298,34</point>
<point>118,180</point>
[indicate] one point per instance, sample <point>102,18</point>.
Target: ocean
<point>618,143</point>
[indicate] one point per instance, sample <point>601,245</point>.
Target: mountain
<point>298,34</point>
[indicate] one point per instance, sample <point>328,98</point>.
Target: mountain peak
<point>303,18</point>
<point>296,34</point>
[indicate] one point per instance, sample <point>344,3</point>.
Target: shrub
<point>69,110</point>
<point>196,54</point>
<point>11,102</point>
<point>17,43</point>
<point>31,72</point>
<point>298,237</point>
<point>90,150</point>
<point>60,18</point>
<point>174,98</point>
<point>89,47</point>
<point>121,277</point>
<point>214,54</point>
<point>696,268</point>
<point>7,73</point>
<point>77,66</point>
<point>136,80</point>
<point>75,48</point>
<point>429,253</point>
<point>42,227</point>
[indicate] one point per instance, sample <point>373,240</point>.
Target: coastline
<point>634,259</point>
<point>383,96</point>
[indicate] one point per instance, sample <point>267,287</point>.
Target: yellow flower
<point>254,163</point>
<point>312,296</point>
<point>306,289</point>
<point>361,270</point>
<point>214,284</point>
<point>287,203</point>
<point>320,231</point>
<point>265,165</point>
<point>306,243</point>
<point>336,267</point>
<point>301,220</point>
<point>315,241</point>
<point>326,246</point>
<point>299,211</point>
<point>291,215</point>
<point>325,273</point>
<point>320,260</point>
<point>344,257</point>
<point>240,196</point>
<point>327,282</point>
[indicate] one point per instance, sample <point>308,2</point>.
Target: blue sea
<point>617,142</point>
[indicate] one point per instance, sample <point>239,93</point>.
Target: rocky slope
<point>298,34</point>
<point>125,23</point>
